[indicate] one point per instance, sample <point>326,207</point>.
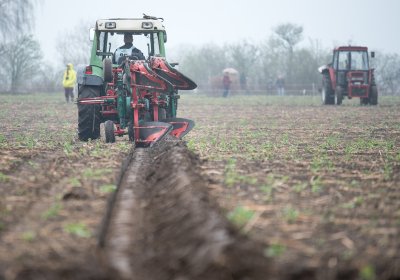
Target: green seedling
<point>28,236</point>
<point>3,178</point>
<point>275,250</point>
<point>52,212</point>
<point>240,216</point>
<point>290,214</point>
<point>108,188</point>
<point>367,273</point>
<point>78,229</point>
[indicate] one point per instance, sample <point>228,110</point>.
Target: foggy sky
<point>364,22</point>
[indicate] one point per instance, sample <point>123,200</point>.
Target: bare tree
<point>16,15</point>
<point>290,34</point>
<point>388,72</point>
<point>74,46</point>
<point>20,62</point>
<point>243,56</point>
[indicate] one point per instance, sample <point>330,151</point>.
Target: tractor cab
<point>148,36</point>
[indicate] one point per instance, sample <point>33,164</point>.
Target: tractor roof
<point>351,48</point>
<point>129,24</point>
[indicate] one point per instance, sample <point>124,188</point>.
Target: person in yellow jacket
<point>69,81</point>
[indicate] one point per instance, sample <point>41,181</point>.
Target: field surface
<point>316,186</point>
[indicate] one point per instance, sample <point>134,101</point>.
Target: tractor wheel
<point>373,98</point>
<point>338,96</point>
<point>162,114</point>
<point>107,70</point>
<point>89,116</point>
<point>109,131</point>
<point>131,132</point>
<point>364,101</point>
<point>327,98</point>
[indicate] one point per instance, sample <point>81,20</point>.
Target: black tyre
<point>109,131</point>
<point>107,70</point>
<point>327,92</point>
<point>373,95</point>
<point>364,101</point>
<point>131,132</point>
<point>162,114</point>
<point>89,116</point>
<point>338,96</point>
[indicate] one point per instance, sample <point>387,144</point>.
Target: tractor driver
<point>127,50</point>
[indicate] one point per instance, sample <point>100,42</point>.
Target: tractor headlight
<point>147,25</point>
<point>110,25</point>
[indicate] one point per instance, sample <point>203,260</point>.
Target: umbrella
<point>230,71</point>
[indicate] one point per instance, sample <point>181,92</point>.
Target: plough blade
<point>169,73</point>
<point>151,132</point>
<point>181,126</point>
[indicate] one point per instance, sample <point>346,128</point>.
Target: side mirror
<point>91,34</point>
<point>372,54</point>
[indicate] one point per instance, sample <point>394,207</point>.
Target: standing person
<point>69,81</point>
<point>280,85</point>
<point>226,82</point>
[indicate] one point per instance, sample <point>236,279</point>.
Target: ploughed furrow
<point>163,224</point>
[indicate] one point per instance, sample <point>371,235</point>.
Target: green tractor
<point>130,86</point>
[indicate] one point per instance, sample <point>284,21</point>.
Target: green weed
<point>300,187</point>
<point>290,214</point>
<point>78,229</point>
<point>52,212</point>
<point>108,188</point>
<point>3,178</point>
<point>68,148</point>
<point>354,203</point>
<point>75,182</point>
<point>275,250</point>
<point>91,173</point>
<point>28,236</point>
<point>240,216</point>
<point>316,185</point>
<point>367,273</point>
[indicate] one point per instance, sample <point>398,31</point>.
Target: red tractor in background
<point>349,74</point>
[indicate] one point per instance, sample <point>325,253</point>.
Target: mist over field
<point>206,38</point>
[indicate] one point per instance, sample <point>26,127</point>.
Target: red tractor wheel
<point>373,98</point>
<point>327,94</point>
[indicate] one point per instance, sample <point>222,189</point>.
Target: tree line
<point>283,53</point>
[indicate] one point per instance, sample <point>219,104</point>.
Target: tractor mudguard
<point>152,132</point>
<point>166,71</point>
<point>181,126</point>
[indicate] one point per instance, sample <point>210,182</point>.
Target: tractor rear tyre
<point>107,70</point>
<point>327,93</point>
<point>109,131</point>
<point>131,132</point>
<point>162,114</point>
<point>89,116</point>
<point>364,101</point>
<point>338,96</point>
<point>373,98</point>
